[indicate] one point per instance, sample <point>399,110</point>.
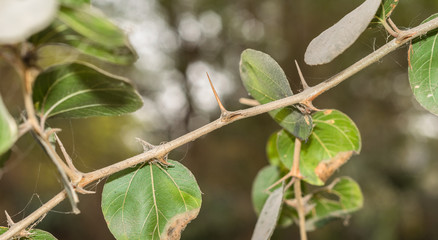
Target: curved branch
<point>308,94</point>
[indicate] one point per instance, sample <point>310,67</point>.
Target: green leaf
<point>336,39</point>
<point>385,10</point>
<point>423,70</point>
<point>348,198</point>
<point>264,179</point>
<point>93,25</point>
<point>73,91</point>
<point>59,37</point>
<point>269,215</point>
<point>264,79</point>
<point>271,151</point>
<point>8,129</point>
<point>34,234</point>
<point>150,202</point>
<point>334,139</point>
<point>51,55</point>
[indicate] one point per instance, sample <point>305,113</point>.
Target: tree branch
<point>308,94</point>
<point>19,226</point>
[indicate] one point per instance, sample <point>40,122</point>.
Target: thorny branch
<point>161,150</point>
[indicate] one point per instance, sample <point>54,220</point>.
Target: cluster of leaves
<point>330,137</point>
<point>78,52</point>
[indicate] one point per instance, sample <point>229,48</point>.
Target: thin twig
<point>311,92</point>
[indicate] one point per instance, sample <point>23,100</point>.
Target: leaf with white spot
<point>423,69</point>
<point>336,39</point>
<point>150,201</point>
<point>74,90</point>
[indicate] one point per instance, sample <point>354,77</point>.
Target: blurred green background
<point>178,41</point>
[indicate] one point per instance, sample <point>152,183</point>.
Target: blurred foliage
<point>396,168</point>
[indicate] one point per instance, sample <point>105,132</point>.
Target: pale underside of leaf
<point>20,19</point>
<point>336,39</point>
<point>269,215</point>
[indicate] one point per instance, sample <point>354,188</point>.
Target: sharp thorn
<point>146,146</point>
<point>303,81</point>
<point>223,110</point>
<point>9,219</point>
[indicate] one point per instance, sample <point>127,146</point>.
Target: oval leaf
<point>8,129</point>
<point>93,25</point>
<point>423,70</point>
<point>20,19</point>
<point>50,55</point>
<point>334,139</point>
<point>350,199</point>
<point>73,91</point>
<point>264,79</point>
<point>150,202</point>
<point>269,215</point>
<point>34,234</point>
<point>336,39</point>
<point>59,37</point>
<point>264,179</point>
